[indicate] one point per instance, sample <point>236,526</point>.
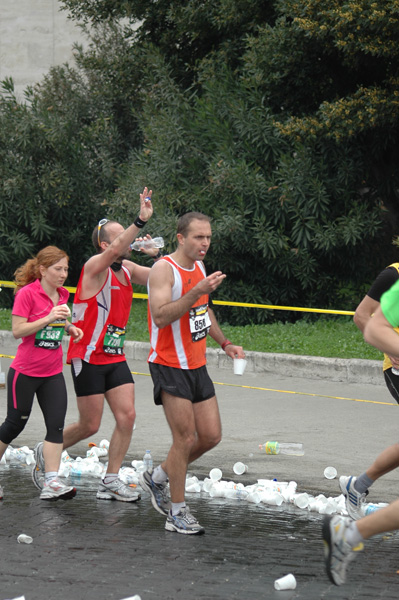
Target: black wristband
<point>139,222</point>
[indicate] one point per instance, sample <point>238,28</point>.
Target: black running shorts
<point>98,379</point>
<point>193,384</point>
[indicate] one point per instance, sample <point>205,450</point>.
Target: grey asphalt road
<point>97,550</point>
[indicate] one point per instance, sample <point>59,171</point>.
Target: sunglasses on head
<point>100,224</point>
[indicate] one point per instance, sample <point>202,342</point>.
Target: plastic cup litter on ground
<point>215,474</point>
<point>239,468</point>
<point>288,582</point>
<point>330,472</point>
<point>24,539</point>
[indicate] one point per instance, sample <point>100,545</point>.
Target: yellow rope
<point>72,290</point>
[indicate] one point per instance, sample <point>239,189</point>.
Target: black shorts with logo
<point>98,379</point>
<point>193,384</point>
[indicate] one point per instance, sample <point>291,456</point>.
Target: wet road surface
<point>100,550</point>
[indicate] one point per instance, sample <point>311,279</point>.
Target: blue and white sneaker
<point>158,492</point>
<point>354,500</point>
<point>183,522</point>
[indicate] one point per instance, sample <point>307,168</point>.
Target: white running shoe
<point>38,468</point>
<point>117,490</point>
<point>57,490</point>
<point>337,552</point>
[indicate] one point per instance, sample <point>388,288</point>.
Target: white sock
<point>352,535</point>
<point>49,476</point>
<point>159,475</point>
<point>177,506</point>
<point>110,477</point>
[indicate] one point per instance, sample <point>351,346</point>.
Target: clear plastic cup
<point>239,468</point>
<point>330,472</point>
<point>288,582</point>
<point>208,483</point>
<point>239,366</point>
<point>301,500</point>
<point>215,474</point>
<point>24,539</point>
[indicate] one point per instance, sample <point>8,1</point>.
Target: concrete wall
<point>34,36</point>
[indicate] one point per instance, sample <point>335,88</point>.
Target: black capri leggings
<point>51,394</point>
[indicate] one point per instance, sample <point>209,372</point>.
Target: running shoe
<point>38,469</point>
<point>117,490</point>
<point>158,492</point>
<point>56,490</point>
<point>183,522</point>
<point>337,552</point>
<point>354,500</point>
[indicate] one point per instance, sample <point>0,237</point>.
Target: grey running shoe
<point>354,500</point>
<point>158,492</point>
<point>38,469</point>
<point>337,552</point>
<point>56,490</point>
<point>117,490</point>
<point>183,522</point>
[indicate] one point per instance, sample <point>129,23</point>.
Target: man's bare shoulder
<point>93,278</point>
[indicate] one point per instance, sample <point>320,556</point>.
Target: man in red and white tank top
<point>99,369</point>
<point>180,318</point>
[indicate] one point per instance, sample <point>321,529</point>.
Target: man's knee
<point>125,419</point>
<point>210,440</point>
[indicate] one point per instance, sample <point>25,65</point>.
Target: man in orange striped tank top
<point>179,320</point>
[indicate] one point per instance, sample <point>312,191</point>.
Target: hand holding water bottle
<point>148,245</point>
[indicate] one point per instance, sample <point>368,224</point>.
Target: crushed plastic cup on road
<point>239,366</point>
<point>239,468</point>
<point>301,500</point>
<point>330,472</point>
<point>288,582</point>
<point>24,539</point>
<point>215,474</point>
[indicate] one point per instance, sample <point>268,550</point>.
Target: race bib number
<point>50,337</point>
<point>114,340</point>
<point>200,322</point>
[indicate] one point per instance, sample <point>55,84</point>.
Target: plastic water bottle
<point>153,243</point>
<point>147,460</point>
<point>370,508</point>
<point>294,449</point>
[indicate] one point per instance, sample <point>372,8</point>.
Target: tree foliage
<point>278,119</point>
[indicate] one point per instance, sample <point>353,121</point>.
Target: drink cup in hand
<point>239,366</point>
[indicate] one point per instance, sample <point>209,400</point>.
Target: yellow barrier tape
<point>262,389</point>
<point>72,290</point>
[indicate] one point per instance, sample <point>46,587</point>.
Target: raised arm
<point>120,245</point>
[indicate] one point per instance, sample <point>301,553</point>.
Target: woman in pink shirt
<point>39,319</point>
